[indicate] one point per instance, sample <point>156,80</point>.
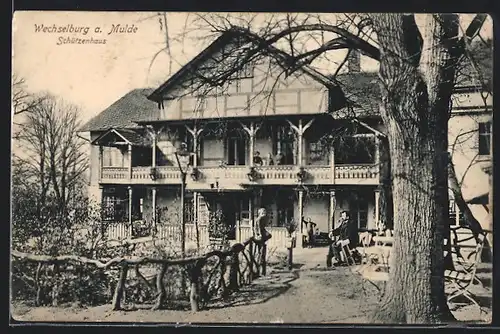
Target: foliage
<point>218,226</point>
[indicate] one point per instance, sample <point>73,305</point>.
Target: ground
<point>310,293</point>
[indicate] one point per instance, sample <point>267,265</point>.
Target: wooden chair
<point>460,263</point>
<point>346,253</point>
<point>462,278</point>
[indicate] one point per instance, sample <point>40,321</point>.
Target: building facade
<point>290,144</point>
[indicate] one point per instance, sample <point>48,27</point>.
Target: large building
<point>317,140</point>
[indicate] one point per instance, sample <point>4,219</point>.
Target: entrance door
<point>230,210</point>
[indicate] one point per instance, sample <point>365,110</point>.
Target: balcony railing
<point>114,173</point>
<point>210,177</point>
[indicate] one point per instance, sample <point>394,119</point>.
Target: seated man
<point>257,160</point>
<point>344,235</point>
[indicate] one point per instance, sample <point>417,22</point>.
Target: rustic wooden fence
<point>197,235</point>
<point>217,273</point>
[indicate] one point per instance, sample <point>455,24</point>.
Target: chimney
<point>353,62</point>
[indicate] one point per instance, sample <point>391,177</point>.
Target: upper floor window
<point>316,151</point>
<point>246,71</point>
<point>112,157</point>
<point>484,138</point>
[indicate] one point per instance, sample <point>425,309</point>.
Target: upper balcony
<point>228,176</point>
<point>241,154</point>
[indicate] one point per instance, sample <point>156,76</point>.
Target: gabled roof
<point>128,136</point>
<point>227,37</point>
<point>361,91</point>
<point>123,113</point>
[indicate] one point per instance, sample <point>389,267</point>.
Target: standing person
<point>310,226</point>
<point>270,160</point>
<point>260,232</point>
<point>340,235</point>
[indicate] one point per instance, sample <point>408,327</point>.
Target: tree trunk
<point>415,113</point>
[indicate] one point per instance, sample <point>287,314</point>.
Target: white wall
<point>267,93</point>
<point>463,130</point>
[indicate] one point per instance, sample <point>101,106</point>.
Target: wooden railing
<point>210,176</point>
<point>354,174</point>
<point>287,174</point>
<point>213,275</point>
<point>117,231</point>
<point>141,175</point>
<point>114,173</point>
<point>164,233</point>
<point>279,235</point>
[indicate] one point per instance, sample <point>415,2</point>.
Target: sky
<point>93,76</point>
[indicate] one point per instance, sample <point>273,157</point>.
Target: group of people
<point>344,235</point>
<point>279,159</point>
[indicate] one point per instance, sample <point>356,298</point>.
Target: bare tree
<point>418,65</point>
<point>22,100</point>
<point>49,161</point>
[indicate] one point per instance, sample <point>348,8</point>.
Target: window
<point>114,209</point>
<point>316,151</point>
<point>361,214</point>
<point>236,151</point>
<point>246,71</point>
<point>485,138</point>
<point>112,157</point>
<point>359,209</point>
<point>283,143</point>
<point>189,212</point>
<point>285,205</point>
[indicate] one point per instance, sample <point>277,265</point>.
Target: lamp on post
<point>182,155</point>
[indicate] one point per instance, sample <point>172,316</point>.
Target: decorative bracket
<point>252,174</point>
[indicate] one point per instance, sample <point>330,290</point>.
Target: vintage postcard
<point>251,168</point>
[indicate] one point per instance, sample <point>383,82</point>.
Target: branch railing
<point>215,274</point>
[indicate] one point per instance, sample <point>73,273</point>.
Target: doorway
<point>230,210</point>
<point>236,151</point>
<point>229,206</point>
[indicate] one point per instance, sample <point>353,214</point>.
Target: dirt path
<point>298,297</point>
<point>309,294</point>
<point>305,295</point>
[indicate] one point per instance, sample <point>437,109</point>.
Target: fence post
<point>55,287</point>
<point>194,297</point>
<point>120,287</point>
<point>233,274</point>
<point>250,257</point>
<point>160,289</point>
<point>238,231</point>
<point>263,258</point>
